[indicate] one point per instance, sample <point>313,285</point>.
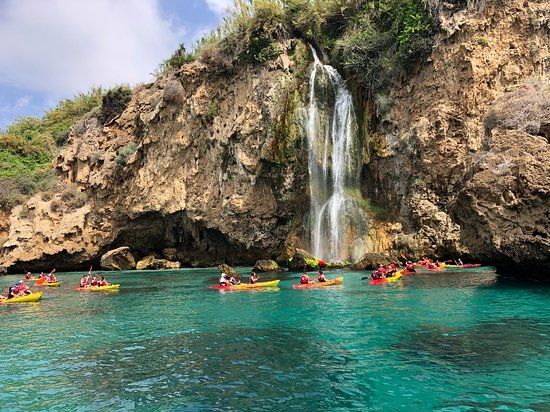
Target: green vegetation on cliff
<point>28,146</point>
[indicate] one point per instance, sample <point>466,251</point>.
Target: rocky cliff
<point>212,165</point>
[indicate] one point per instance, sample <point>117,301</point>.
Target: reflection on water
<point>230,368</point>
<point>478,347</point>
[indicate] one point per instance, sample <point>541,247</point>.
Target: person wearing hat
<point>21,288</point>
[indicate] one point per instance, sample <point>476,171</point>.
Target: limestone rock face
<point>211,165</point>
<point>457,188</point>
<point>152,263</point>
<point>266,266</point>
<point>118,259</point>
<point>503,207</point>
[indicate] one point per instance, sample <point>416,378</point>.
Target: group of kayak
<point>227,282</point>
<point>21,292</point>
<point>393,272</point>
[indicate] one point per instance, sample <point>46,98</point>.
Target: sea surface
<point>459,340</point>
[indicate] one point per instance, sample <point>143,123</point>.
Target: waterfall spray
<point>333,163</point>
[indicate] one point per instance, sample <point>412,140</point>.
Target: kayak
<point>437,269</point>
<point>99,288</point>
<point>244,286</point>
<point>406,272</point>
<point>309,285</point>
<point>386,280</point>
<point>466,266</point>
<point>51,284</point>
<point>33,297</point>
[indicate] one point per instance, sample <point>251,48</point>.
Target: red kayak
<point>438,269</point>
<point>309,285</point>
<point>392,279</point>
<point>406,272</point>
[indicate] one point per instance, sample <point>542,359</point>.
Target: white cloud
<point>22,102</point>
<point>219,6</point>
<point>65,46</point>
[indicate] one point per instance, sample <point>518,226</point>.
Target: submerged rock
<point>266,266</point>
<point>118,259</point>
<point>152,263</point>
<point>225,268</point>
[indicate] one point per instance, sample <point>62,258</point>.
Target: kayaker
<point>223,280</point>
<point>410,266</point>
<point>11,293</point>
<point>28,275</point>
<point>321,277</point>
<point>52,278</point>
<point>253,278</point>
<point>234,281</point>
<point>459,262</point>
<point>21,288</point>
<point>84,281</point>
<point>304,279</point>
<point>103,282</point>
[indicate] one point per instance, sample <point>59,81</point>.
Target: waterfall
<point>336,217</point>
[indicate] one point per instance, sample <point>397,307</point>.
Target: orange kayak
<point>310,285</point>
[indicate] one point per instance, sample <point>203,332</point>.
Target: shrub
<point>114,102</point>
<point>178,59</point>
<point>386,40</point>
<point>125,152</point>
<point>526,108</point>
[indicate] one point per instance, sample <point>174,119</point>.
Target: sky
<point>54,49</point>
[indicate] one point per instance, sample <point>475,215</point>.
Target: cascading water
<point>336,217</point>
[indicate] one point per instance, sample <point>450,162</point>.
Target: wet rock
<point>225,268</point>
<point>118,259</point>
<point>266,266</point>
<point>170,254</point>
<point>3,270</point>
<point>371,261</point>
<point>152,263</point>
<point>303,260</point>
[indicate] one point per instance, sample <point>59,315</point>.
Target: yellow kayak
<point>51,284</point>
<point>270,284</point>
<point>33,297</point>
<point>100,288</point>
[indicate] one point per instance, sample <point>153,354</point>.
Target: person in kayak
<point>459,262</point>
<point>234,281</point>
<point>28,275</point>
<point>304,279</point>
<point>11,293</point>
<point>103,282</point>
<point>224,281</point>
<point>84,281</point>
<point>253,278</point>
<point>21,288</point>
<point>410,267</point>
<point>321,276</point>
<point>51,278</point>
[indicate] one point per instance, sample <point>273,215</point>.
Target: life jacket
<point>304,279</point>
<point>382,270</point>
<point>94,282</point>
<point>410,268</point>
<point>28,276</point>
<point>83,282</point>
<point>52,279</point>
<point>103,283</point>
<point>321,278</point>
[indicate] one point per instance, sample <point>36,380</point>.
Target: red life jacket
<point>103,283</point>
<point>410,268</point>
<point>304,279</point>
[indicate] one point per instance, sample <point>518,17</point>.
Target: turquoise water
<point>451,341</point>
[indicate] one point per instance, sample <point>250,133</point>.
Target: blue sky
<point>53,49</point>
